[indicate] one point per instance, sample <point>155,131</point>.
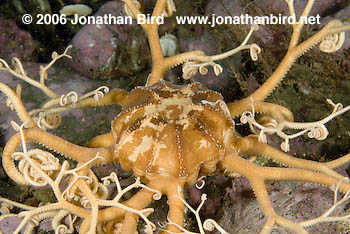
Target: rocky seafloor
<point>117,56</point>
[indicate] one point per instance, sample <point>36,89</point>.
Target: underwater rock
<point>225,8</point>
<point>15,42</point>
<point>240,210</point>
<point>8,225</point>
<point>94,52</point>
<point>222,83</point>
<point>232,8</point>
<point>319,8</point>
<point>263,7</point>
<point>107,50</point>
